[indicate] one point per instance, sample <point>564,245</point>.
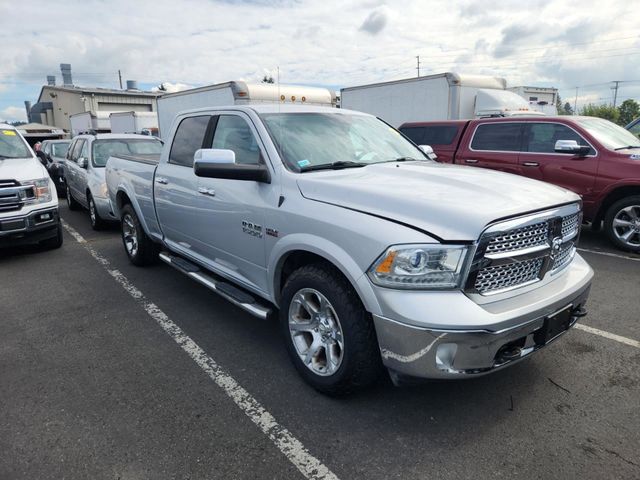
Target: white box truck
<point>134,122</point>
<point>446,96</point>
<point>86,121</point>
<point>237,93</point>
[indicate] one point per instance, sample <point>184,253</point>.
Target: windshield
<point>103,149</point>
<point>609,134</point>
<point>59,149</point>
<point>12,145</point>
<point>307,140</point>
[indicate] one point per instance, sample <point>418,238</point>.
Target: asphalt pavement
<point>92,386</point>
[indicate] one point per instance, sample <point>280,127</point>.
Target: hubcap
<point>316,332</point>
<point>68,197</point>
<point>626,225</point>
<point>130,235</point>
<point>92,211</point>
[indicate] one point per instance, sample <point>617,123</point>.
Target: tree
<point>568,108</point>
<point>267,79</point>
<point>629,110</point>
<point>561,109</point>
<point>608,112</point>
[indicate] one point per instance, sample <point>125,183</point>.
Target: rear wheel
<point>622,223</point>
<point>329,335</point>
<point>139,247</point>
<point>71,202</point>
<point>97,223</point>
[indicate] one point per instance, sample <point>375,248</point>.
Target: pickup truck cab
<point>28,200</point>
<point>592,157</point>
<point>372,253</point>
<point>84,170</point>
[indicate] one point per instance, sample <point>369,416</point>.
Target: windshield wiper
<point>333,166</point>
<point>625,148</point>
<point>402,159</point>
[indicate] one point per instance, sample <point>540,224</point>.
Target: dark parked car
<point>52,154</point>
<point>593,157</point>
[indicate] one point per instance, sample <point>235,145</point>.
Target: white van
<point>28,199</point>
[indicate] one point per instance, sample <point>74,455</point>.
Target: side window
<point>635,129</point>
<point>69,153</point>
<point>233,133</point>
<point>542,137</point>
<point>500,137</point>
<point>188,138</point>
<point>415,134</point>
<point>76,150</point>
<point>440,134</point>
<point>84,153</point>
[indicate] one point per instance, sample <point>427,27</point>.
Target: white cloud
<point>13,114</point>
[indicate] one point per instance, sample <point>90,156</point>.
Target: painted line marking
<point>610,336</point>
<point>289,445</point>
<point>607,254</point>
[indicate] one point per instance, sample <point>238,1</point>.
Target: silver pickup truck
<point>373,254</point>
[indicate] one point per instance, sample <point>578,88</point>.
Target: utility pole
<point>120,77</point>
<point>575,103</point>
<point>615,92</point>
<point>418,67</point>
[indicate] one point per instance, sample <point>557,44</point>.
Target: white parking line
<point>610,336</point>
<point>289,445</point>
<point>607,254</point>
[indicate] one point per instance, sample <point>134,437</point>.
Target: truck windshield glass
<point>12,145</point>
<point>307,140</point>
<point>103,149</point>
<point>609,134</point>
<point>59,149</point>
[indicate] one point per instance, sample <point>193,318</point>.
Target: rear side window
<point>542,137</point>
<point>500,137</point>
<point>431,134</point>
<point>188,138</point>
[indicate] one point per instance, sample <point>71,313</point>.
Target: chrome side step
<point>238,297</point>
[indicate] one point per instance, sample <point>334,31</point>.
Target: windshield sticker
<point>634,157</point>
<point>304,163</point>
<point>10,133</point>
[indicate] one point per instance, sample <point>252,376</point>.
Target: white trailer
<point>134,122</point>
<point>446,96</point>
<point>85,121</point>
<point>237,93</point>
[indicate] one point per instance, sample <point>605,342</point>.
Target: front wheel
<point>622,223</point>
<point>329,335</point>
<point>97,223</point>
<point>139,247</point>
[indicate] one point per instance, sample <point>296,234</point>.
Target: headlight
<point>41,191</point>
<point>420,267</point>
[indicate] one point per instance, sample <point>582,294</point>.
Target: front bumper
<point>32,227</point>
<point>498,335</point>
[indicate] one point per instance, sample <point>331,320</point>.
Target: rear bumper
<point>33,227</point>
<point>427,352</point>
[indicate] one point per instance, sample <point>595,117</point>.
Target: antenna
<point>418,66</point>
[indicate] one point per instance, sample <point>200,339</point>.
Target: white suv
<point>28,199</point>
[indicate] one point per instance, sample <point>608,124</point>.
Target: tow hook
<point>579,312</point>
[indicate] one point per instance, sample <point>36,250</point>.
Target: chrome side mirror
<point>428,151</point>
<point>82,162</point>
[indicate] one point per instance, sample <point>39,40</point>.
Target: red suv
<point>593,157</point>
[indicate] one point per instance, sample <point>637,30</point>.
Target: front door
<point>72,169</point>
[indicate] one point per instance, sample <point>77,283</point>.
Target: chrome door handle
<point>161,180</point>
<point>207,191</point>
<point>471,160</point>
<point>531,164</point>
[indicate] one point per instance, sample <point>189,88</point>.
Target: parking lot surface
<point>95,383</point>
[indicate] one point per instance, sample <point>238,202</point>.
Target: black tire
<point>146,251</point>
<point>53,242</point>
<point>360,362</point>
<point>615,210</point>
<point>71,202</point>
<point>97,223</point>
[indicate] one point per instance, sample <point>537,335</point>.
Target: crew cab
<point>372,253</point>
<point>593,157</point>
<point>84,170</point>
<point>28,200</point>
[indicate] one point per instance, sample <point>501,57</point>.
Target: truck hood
<point>448,201</point>
<point>21,169</point>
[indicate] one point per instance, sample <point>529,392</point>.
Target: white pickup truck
<point>373,254</point>
<point>28,199</point>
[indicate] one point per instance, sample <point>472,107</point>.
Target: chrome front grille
<point>13,195</point>
<point>523,251</point>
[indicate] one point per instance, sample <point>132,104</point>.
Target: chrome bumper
<point>426,352</point>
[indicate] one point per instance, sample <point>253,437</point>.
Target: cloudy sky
<point>558,43</point>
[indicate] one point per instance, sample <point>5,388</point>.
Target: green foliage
<point>568,109</point>
<point>629,111</point>
<point>608,112</point>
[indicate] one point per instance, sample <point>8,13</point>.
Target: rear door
<point>71,167</point>
<point>494,145</point>
<point>82,174</point>
<point>175,185</point>
<point>540,161</point>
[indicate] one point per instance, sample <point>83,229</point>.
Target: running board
<point>238,297</point>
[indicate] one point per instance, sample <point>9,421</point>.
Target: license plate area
<point>554,325</point>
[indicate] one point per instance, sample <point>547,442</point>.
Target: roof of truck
<point>276,108</point>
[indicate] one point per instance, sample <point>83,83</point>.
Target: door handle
<point>207,191</point>
<point>161,180</point>
<point>531,164</point>
<point>471,160</point>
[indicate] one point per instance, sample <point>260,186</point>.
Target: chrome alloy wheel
<point>92,211</point>
<point>68,195</point>
<point>626,225</point>
<point>316,332</point>
<point>130,235</point>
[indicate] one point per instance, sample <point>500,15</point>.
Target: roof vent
<point>132,85</point>
<point>51,80</point>
<point>65,68</point>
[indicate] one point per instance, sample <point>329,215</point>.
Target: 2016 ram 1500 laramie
<point>373,254</point>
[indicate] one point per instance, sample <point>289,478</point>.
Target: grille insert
<point>570,224</point>
<point>520,238</point>
<point>564,257</point>
<point>506,276</point>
